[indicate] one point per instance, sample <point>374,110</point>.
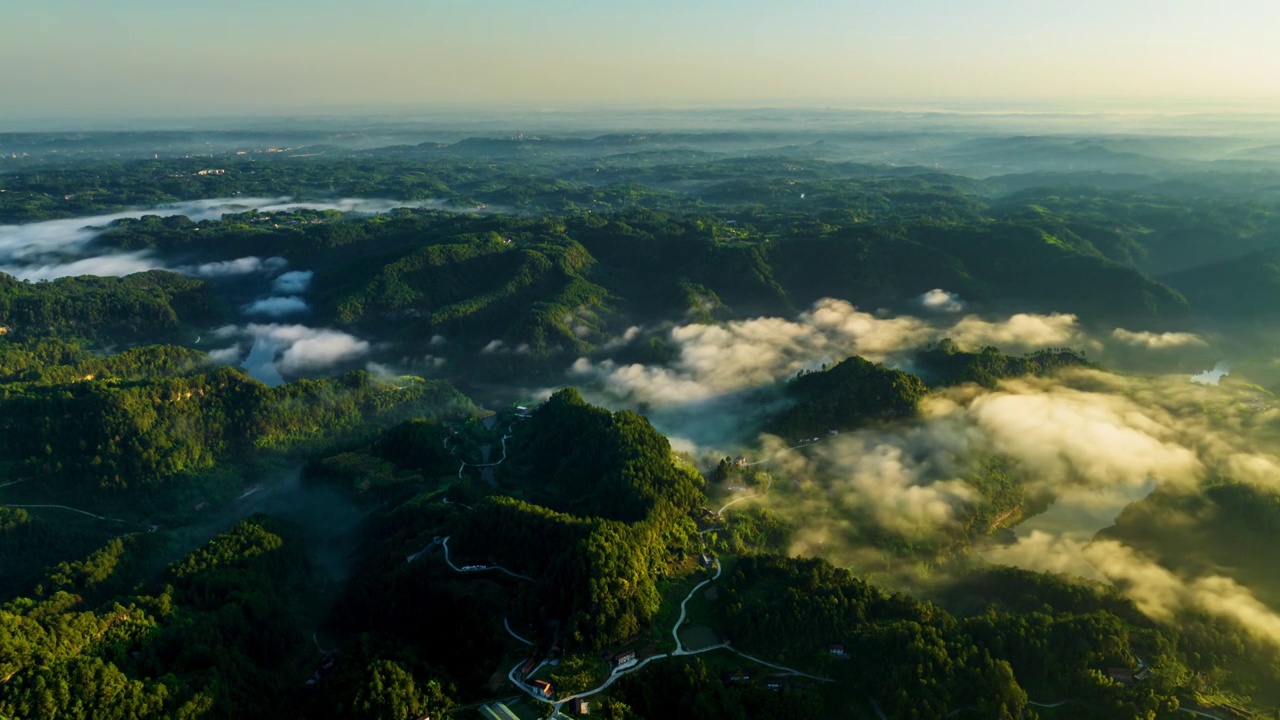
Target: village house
<point>580,706</point>
<point>543,687</point>
<point>624,658</point>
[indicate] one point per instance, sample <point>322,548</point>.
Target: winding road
<point>64,507</point>
<point>619,672</point>
<point>506,624</point>
<point>780,453</point>
<point>466,464</point>
<point>675,631</point>
<point>479,568</point>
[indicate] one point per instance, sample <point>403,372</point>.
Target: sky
<point>87,58</point>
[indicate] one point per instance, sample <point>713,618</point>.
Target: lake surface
<point>261,363</point>
<point>1054,540</point>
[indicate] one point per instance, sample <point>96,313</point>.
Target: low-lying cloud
<point>718,359</point>
<point>115,265</point>
<point>1158,341</point>
<point>39,250</point>
<point>239,266</point>
<point>1157,591</point>
<point>295,349</point>
<point>293,282</point>
<point>278,306</point>
<point>939,300</point>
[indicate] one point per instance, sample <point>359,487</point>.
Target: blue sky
<point>145,57</point>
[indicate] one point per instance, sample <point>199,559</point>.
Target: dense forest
<point>725,424</point>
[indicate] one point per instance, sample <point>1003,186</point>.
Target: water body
<point>261,363</point>
<point>1055,539</point>
<point>1214,376</point>
<point>1082,513</point>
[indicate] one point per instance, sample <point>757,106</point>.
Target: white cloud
<point>277,306</point>
<point>239,266</point>
<point>1158,341</point>
<point>1020,331</point>
<point>26,250</point>
<point>718,359</point>
<point>116,265</point>
<point>298,348</point>
<point>293,282</point>
<point>225,356</point>
<point>940,300</point>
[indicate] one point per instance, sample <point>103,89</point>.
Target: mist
<point>51,249</point>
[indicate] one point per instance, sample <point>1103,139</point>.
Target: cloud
<point>1158,341</point>
<point>939,300</point>
<point>225,356</point>
<point>1157,591</point>
<point>297,348</point>
<point>1064,435</point>
<point>725,358</point>
<point>309,349</point>
<point>115,265</point>
<point>293,282</point>
<point>277,306</point>
<point>38,250</point>
<point>239,266</point>
<point>718,359</point>
<point>1020,331</point>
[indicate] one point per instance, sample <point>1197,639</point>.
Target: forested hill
<point>946,363</point>
<point>155,306</point>
<point>558,287</point>
<point>850,394</point>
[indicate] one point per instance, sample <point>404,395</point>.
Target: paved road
<point>513,634</point>
<point>731,503</point>
<point>485,450</point>
<point>64,507</point>
<point>675,631</point>
<point>479,568</point>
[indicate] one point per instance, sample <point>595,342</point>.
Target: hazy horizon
<point>143,59</point>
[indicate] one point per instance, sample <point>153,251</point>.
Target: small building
<point>837,650</point>
<point>707,561</point>
<point>1120,675</point>
<point>775,685</point>
<point>580,706</point>
<point>740,461</point>
<point>543,687</point>
<point>739,677</point>
<point>528,667</point>
<point>624,658</point>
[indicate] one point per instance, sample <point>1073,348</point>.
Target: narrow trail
<point>14,482</point>
<point>780,453</point>
<point>317,642</point>
<point>506,624</point>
